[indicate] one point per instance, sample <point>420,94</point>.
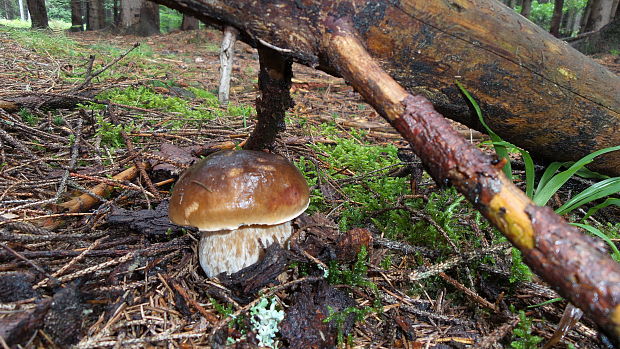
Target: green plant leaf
<point>530,173</point>
<point>598,190</point>
<point>551,187</point>
<point>586,173</point>
<point>600,234</point>
<point>608,202</point>
<point>558,299</point>
<point>501,151</point>
<point>548,174</point>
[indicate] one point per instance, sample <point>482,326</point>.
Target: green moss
<point>28,118</point>
<point>522,334</point>
<point>111,134</point>
<point>145,97</point>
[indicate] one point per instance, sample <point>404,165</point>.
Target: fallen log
<point>571,262</point>
<point>535,90</point>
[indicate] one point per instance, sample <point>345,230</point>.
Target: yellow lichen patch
<point>507,210</point>
<point>615,318</point>
<point>567,73</point>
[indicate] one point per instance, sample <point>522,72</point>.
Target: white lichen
<point>265,318</point>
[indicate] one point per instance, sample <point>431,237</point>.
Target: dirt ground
<point>113,272</point>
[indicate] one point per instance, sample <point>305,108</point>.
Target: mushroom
<point>241,201</point>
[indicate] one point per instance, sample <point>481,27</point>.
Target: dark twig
<point>208,316</point>
<point>31,263</point>
<point>471,294</point>
<point>140,165</point>
<point>89,76</point>
<point>75,149</point>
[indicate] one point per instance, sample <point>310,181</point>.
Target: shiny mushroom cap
<point>229,189</point>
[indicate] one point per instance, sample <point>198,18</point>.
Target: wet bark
<point>535,91</point>
<point>77,24</point>
<point>274,81</point>
<point>38,14</point>
<point>189,23</point>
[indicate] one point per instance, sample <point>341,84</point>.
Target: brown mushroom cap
<point>230,188</point>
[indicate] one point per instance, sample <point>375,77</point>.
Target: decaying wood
<point>86,200</point>
<point>43,101</point>
<point>570,261</point>
<point>535,90</point>
<point>18,327</point>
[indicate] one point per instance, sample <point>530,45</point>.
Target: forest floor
<point>383,257</point>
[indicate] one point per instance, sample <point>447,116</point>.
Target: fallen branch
<point>86,200</point>
<point>90,75</point>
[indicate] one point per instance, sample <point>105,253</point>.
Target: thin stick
<point>106,67</point>
<point>31,263</point>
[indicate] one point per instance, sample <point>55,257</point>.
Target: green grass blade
<point>501,151</point>
<point>599,190</point>
<point>585,173</point>
<point>554,300</point>
<point>608,202</point>
<point>530,174</point>
<point>549,173</point>
<point>600,234</point>
<point>542,197</point>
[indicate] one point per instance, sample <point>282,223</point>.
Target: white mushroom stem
<point>232,250</point>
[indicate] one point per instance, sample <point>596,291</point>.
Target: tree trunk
<point>38,14</point>
<point>274,81</point>
<point>227,55</point>
<point>139,17</point>
<point>556,19</point>
<point>9,10</point>
<point>96,15</point>
<point>614,10</point>
<point>22,15</point>
<point>116,13</point>
<point>189,23</point>
<point>77,23</point>
<point>600,15</point>
<point>526,8</point>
